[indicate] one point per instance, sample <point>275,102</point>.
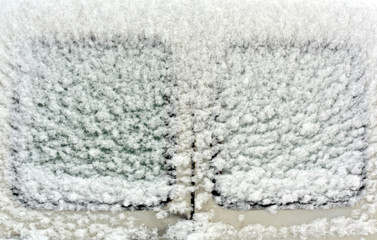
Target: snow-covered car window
<point>91,123</point>
<point>290,130</point>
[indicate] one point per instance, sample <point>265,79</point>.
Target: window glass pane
<point>91,123</point>
<point>291,127</point>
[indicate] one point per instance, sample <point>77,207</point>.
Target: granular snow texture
<point>119,105</point>
<point>91,122</point>
<point>291,125</point>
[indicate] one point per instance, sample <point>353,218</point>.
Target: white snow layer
<point>294,121</point>
<point>101,102</point>
<point>91,122</point>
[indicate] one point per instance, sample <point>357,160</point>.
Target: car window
<point>91,124</point>
<point>290,131</point>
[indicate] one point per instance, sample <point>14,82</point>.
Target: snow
<point>303,135</point>
<point>295,134</point>
<point>105,135</point>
